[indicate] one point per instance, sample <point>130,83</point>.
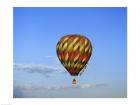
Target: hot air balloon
<point>74,52</point>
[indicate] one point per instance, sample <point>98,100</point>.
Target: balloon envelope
<point>74,52</point>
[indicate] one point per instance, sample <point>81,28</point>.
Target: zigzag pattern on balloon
<point>74,52</point>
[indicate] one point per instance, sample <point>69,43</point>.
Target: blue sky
<point>38,72</point>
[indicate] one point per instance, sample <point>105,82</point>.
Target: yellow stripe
<point>87,48</point>
<point>76,57</point>
<point>65,45</point>
<point>81,48</point>
<point>63,40</point>
<point>66,58</point>
<point>75,64</point>
<point>78,66</point>
<point>65,65</point>
<point>75,40</point>
<point>57,46</point>
<point>76,46</point>
<point>72,65</point>
<point>86,41</point>
<point>71,44</point>
<point>83,59</point>
<point>68,64</point>
<point>60,47</point>
<point>81,66</point>
<point>70,47</point>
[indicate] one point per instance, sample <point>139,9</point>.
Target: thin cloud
<point>48,56</point>
<point>31,91</point>
<point>45,70</point>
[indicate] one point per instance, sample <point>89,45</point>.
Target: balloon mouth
<point>74,72</point>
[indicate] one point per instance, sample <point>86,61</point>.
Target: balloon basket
<point>74,81</point>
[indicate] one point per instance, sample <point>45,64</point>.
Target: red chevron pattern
<point>74,52</point>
